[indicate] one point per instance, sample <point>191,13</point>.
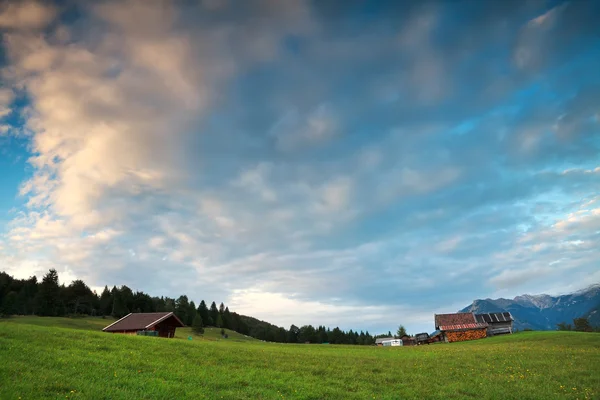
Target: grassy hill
<point>97,323</point>
<point>58,358</point>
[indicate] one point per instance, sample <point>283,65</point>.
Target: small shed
<point>499,323</point>
<point>434,337</point>
<point>421,338</point>
<point>408,340</point>
<point>164,323</point>
<point>459,327</point>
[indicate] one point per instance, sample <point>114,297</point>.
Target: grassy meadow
<point>60,358</point>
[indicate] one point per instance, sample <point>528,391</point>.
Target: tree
<point>191,313</point>
<point>219,323</point>
<point>48,301</point>
<point>582,325</point>
<point>120,297</point>
<point>227,320</point>
<point>401,331</point>
<point>106,302</point>
<point>293,334</point>
<point>197,325</point>
<point>182,306</point>
<point>214,313</point>
<point>563,326</point>
<point>204,314</point>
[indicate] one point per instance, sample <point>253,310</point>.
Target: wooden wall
<point>461,336</point>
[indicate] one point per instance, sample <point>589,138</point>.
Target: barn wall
<point>499,326</point>
<point>461,336</point>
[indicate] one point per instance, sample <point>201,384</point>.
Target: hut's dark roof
<point>491,318</point>
<point>458,321</point>
<point>140,321</point>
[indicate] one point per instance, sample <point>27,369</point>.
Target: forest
<point>49,298</point>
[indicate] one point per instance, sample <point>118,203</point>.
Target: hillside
<point>543,312</point>
<point>97,323</point>
<point>49,362</point>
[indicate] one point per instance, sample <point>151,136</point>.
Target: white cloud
<point>147,155</point>
<point>27,14</point>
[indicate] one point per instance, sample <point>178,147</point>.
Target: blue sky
<point>361,166</point>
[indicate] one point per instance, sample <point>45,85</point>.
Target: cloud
<point>6,98</point>
<point>26,15</point>
<point>277,157</point>
<point>294,130</point>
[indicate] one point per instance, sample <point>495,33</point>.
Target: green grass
<point>40,361</point>
<point>97,323</point>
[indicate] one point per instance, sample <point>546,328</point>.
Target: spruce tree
<point>204,314</point>
<point>227,320</point>
<point>48,303</point>
<point>197,325</point>
<point>214,312</point>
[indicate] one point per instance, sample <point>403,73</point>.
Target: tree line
<point>49,298</point>
<point>579,325</point>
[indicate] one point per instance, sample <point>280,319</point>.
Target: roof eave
<point>171,314</point>
<point>119,320</point>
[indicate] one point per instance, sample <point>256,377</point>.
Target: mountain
<point>543,312</point>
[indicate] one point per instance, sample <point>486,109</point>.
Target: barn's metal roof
<point>140,321</point>
<point>492,318</point>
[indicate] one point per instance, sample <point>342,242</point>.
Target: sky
<point>360,164</point>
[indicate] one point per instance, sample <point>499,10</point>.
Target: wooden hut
<point>408,340</point>
<point>435,337</point>
<point>498,323</point>
<point>164,323</point>
<point>421,338</point>
<point>460,327</point>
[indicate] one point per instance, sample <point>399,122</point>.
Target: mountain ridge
<point>543,311</point>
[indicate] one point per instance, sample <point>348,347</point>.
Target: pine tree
<point>204,313</point>
<point>401,331</point>
<point>191,313</point>
<point>106,301</point>
<point>182,306</point>
<point>48,303</point>
<point>219,323</point>
<point>227,320</point>
<point>214,312</point>
<point>197,325</point>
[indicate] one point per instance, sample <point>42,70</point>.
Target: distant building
<point>387,341</point>
<point>421,338</point>
<point>498,323</point>
<point>460,327</point>
<point>164,323</point>
<point>435,337</point>
<point>408,340</point>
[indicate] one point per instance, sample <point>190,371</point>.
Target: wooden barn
<point>164,323</point>
<point>500,323</point>
<point>460,327</point>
